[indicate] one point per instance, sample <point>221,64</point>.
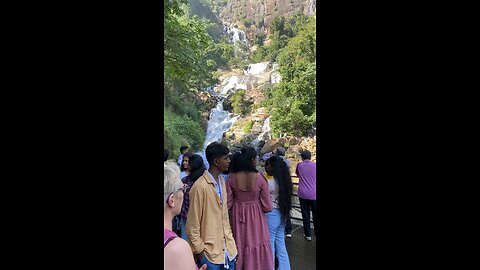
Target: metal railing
<point>297,206</point>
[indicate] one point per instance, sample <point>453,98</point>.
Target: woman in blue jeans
<point>281,188</point>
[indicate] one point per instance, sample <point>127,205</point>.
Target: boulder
<point>293,140</point>
<point>256,128</point>
<point>293,152</point>
<point>270,145</point>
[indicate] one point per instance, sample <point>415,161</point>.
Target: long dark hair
<point>242,161</point>
<point>181,165</point>
<point>282,177</point>
<point>197,167</point>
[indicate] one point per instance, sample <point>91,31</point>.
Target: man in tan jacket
<point>208,227</point>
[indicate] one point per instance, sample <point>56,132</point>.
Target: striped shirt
<point>186,197</point>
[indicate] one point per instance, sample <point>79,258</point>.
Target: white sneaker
<point>289,235</point>
<point>309,238</point>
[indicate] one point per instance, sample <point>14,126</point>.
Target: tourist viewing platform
<point>302,253</point>
<point>240,87</point>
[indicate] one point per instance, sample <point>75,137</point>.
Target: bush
<point>248,126</point>
<point>239,104</point>
<point>259,39</point>
<point>181,130</point>
<point>260,23</point>
<point>262,54</point>
<point>248,23</point>
<point>292,102</point>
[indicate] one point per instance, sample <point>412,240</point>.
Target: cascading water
<point>232,82</point>
<point>254,69</point>
<point>235,34</point>
<point>237,37</point>
<point>220,122</point>
<point>266,134</point>
<point>275,77</point>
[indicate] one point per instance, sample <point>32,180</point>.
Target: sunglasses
<point>185,186</point>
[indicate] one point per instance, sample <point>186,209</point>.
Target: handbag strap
<point>168,240</point>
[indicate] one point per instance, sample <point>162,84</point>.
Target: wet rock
<point>227,105</point>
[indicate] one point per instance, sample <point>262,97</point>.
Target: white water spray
<point>266,134</point>
<point>220,122</point>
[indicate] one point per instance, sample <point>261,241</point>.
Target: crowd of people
<point>222,213</point>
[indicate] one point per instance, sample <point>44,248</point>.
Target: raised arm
<point>265,198</point>
<point>194,218</point>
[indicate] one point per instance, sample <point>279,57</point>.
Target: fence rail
<point>297,206</point>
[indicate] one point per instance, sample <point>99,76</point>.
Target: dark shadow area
<point>302,253</point>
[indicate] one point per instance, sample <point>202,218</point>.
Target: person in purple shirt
<point>307,184</point>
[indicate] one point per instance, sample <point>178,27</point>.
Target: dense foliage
<point>240,104</point>
<point>292,102</point>
<point>182,130</point>
<point>281,31</point>
<point>248,126</point>
<point>191,59</point>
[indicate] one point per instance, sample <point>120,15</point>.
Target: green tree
<point>239,103</point>
<point>293,101</point>
<point>190,62</point>
<point>282,29</point>
<point>181,130</point>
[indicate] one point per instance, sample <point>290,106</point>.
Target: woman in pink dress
<point>249,200</point>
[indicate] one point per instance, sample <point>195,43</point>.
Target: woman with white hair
<point>177,253</point>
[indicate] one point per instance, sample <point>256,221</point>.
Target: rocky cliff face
<point>255,16</point>
<point>248,128</point>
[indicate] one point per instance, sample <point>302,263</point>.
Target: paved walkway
<point>302,253</point>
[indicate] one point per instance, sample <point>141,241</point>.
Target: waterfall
<point>266,134</point>
<point>275,77</point>
<point>237,37</point>
<point>220,122</point>
<point>233,83</point>
<point>235,34</point>
<point>254,69</point>
<point>257,74</point>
